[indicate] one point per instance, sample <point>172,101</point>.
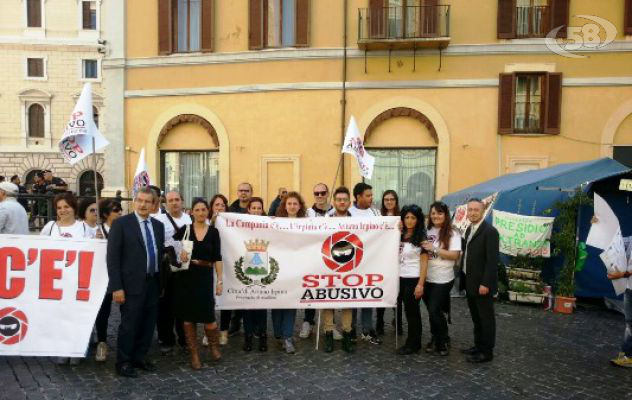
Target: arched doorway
<point>86,183</point>
<point>189,157</point>
<point>29,179</point>
<point>404,144</point>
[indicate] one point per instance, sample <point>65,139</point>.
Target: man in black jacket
<point>480,265</point>
<point>135,248</point>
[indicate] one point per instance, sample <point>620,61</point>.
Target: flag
<point>76,144</point>
<point>141,177</point>
<point>355,146</point>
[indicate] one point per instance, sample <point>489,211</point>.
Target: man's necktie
<point>150,249</point>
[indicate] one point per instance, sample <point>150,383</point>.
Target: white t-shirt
<point>184,219</point>
<point>441,270</point>
<point>367,212</point>
<point>409,256</point>
<point>78,230</point>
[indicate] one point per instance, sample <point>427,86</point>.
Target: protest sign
<point>522,234</point>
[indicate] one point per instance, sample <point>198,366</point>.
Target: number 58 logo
<point>586,36</point>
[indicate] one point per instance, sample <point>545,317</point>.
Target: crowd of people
<point>165,269</point>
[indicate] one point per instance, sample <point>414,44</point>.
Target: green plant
<point>526,286</point>
<point>564,240</point>
<point>526,262</point>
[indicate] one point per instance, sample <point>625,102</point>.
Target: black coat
<point>127,255</point>
<point>482,259</point>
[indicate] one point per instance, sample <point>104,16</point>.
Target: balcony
<point>408,27</point>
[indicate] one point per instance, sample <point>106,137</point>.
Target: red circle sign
<point>13,326</point>
<point>342,251</point>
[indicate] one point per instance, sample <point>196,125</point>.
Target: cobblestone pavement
<point>539,355</point>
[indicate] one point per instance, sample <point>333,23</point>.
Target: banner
<point>141,176</point>
<point>523,235</point>
<point>76,144</point>
<point>354,145</point>
<point>308,262</point>
<point>50,294</point>
<point>460,221</point>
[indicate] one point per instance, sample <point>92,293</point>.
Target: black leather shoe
<point>145,365</point>
<point>480,358</point>
<point>471,351</point>
<point>126,370</point>
<point>405,350</point>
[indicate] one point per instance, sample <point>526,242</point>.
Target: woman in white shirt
<point>67,226</point>
<point>413,264</point>
<point>444,247</point>
<point>88,214</point>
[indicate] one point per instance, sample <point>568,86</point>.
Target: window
<point>278,23</point>
<point>86,183</point>
<point>185,26</point>
<point>34,13</point>
<point>627,19</point>
<point>90,69</point>
<point>35,68</point>
<point>89,15</point>
<point>36,121</point>
<point>95,115</point>
<point>531,18</point>
<point>530,102</point>
<point>410,172</point>
<point>194,174</point>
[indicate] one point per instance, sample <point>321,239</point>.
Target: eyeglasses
<point>389,199</point>
<point>323,193</point>
<point>244,190</point>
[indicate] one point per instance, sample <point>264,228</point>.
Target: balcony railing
<point>404,25</point>
<point>532,22</point>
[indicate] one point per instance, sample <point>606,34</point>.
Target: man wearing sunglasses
<point>319,209</point>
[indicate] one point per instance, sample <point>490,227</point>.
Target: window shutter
<point>302,23</point>
<point>506,23</point>
<point>377,19</point>
<point>36,121</point>
<point>627,20</point>
<point>559,16</point>
<point>429,18</point>
<point>553,105</point>
<point>207,26</point>
<point>165,42</point>
<point>255,24</point>
<point>506,98</point>
<point>34,13</point>
<point>85,9</point>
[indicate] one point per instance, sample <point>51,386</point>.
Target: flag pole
<point>333,186</point>
<point>96,180</point>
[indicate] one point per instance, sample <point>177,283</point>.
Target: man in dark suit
<point>135,246</point>
<point>480,265</point>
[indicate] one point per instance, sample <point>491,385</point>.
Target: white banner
<point>50,294</point>
<point>460,221</point>
<point>308,262</point>
<point>523,234</point>
<point>141,176</point>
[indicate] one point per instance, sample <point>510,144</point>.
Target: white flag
<point>141,177</point>
<point>355,146</point>
<point>76,144</point>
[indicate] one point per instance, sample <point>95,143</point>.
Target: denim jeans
<point>367,319</point>
<point>627,311</point>
<point>283,323</point>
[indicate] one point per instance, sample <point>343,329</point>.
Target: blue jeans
<point>283,323</point>
<point>627,311</point>
<point>367,319</point>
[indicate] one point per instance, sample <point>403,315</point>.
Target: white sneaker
<point>204,341</point>
<point>102,352</point>
<point>337,334</point>
<point>289,346</point>
<point>306,330</point>
<point>223,338</point>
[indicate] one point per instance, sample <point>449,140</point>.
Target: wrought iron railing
<point>412,22</point>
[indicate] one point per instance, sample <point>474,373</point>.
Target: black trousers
<point>101,322</point>
<point>437,299</point>
<point>255,322</point>
<point>482,311</point>
<point>225,316</point>
<point>310,314</point>
<point>138,322</point>
<point>411,308</point>
<point>166,319</point>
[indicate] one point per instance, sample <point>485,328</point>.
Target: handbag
<point>187,245</point>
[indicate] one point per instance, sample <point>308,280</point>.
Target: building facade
<point>48,50</point>
<point>446,93</point>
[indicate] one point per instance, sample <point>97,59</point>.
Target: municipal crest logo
<point>256,267</point>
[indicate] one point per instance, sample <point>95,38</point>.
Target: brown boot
<point>213,343</point>
<point>190,334</point>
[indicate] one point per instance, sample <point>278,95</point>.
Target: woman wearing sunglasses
<point>88,214</point>
<point>109,210</point>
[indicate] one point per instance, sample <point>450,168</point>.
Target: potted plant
<point>564,242</point>
<point>525,267</point>
<point>524,283</point>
